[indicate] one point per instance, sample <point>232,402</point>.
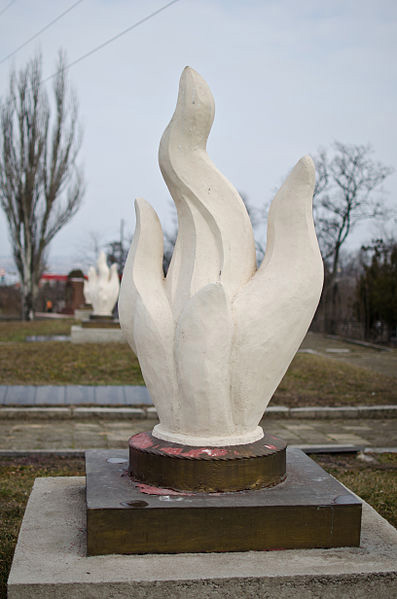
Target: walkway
<point>76,395</point>
<point>382,360</point>
<point>111,434</point>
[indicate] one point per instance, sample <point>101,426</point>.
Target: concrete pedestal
<point>82,313</point>
<point>96,335</point>
<point>50,561</point>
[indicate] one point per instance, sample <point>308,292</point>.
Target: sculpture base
<point>207,469</point>
<point>83,313</point>
<point>100,322</point>
<point>108,334</point>
<point>309,509</point>
<point>202,441</point>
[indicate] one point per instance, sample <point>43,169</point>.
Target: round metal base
<point>207,469</point>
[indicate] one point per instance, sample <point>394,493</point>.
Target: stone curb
<point>79,453</point>
<point>149,412</point>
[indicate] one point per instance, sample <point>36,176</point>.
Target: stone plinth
<point>82,313</point>
<point>50,560</point>
<point>81,334</point>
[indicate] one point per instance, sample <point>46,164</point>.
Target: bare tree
<point>41,186</point>
<point>117,250</point>
<point>86,250</point>
<point>346,193</point>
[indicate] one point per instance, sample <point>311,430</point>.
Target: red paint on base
<point>172,450</point>
<point>150,490</point>
<point>142,441</point>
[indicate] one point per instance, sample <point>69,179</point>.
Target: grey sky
<point>287,77</point>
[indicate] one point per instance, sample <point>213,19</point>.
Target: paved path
<point>78,395</point>
<point>383,361</point>
<point>111,434</point>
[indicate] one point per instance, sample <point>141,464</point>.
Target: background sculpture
<point>215,337</point>
<point>102,287</point>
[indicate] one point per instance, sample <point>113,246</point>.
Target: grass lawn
<point>16,480</point>
<point>311,380</point>
<point>375,482</point>
<point>17,330</point>
<point>316,381</point>
<point>64,363</point>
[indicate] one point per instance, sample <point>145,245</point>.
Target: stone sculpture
<point>101,290</point>
<point>216,335</point>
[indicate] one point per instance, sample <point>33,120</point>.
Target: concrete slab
<point>20,395</point>
<point>79,394</point>
<point>50,395</point>
<point>137,395</point>
<point>50,561</point>
<point>110,395</point>
<point>96,335</point>
<point>3,393</point>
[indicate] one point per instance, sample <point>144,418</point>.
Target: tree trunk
<point>27,305</point>
<point>29,290</point>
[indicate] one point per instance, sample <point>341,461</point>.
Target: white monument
<point>216,335</point>
<point>214,339</point>
<point>101,290</point>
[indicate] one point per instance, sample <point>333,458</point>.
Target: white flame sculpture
<point>215,336</point>
<point>101,290</point>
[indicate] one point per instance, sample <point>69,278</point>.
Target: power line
<point>65,12</point>
<point>107,42</point>
<point>112,39</point>
<point>6,7</point>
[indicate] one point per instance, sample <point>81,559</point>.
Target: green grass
<point>375,482</point>
<point>17,330</point>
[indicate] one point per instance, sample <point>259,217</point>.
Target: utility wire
<point>65,12</point>
<point>107,42</point>
<point>114,38</point>
<point>6,7</point>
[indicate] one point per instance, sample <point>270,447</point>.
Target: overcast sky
<point>287,77</point>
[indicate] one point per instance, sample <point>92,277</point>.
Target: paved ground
<point>382,361</point>
<point>77,395</point>
<point>75,434</point>
<point>97,433</point>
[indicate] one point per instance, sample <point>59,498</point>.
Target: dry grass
<point>17,330</point>
<point>375,482</point>
<point>314,381</point>
<point>61,363</point>
<point>16,480</point>
<point>311,380</point>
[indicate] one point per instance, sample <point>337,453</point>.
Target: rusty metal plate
<point>207,469</point>
<point>309,509</point>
